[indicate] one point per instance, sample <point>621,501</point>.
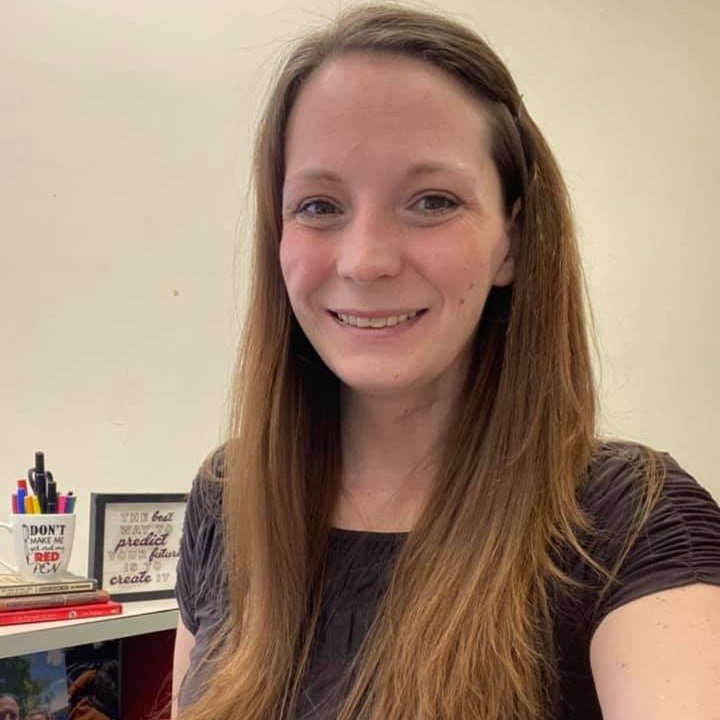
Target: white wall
<point>124,143</point>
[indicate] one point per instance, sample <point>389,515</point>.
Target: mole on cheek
<point>462,300</point>
<point>472,285</point>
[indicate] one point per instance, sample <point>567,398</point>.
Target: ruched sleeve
<point>199,581</point>
<point>678,545</point>
<point>201,587</point>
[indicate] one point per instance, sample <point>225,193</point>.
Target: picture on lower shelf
<point>76,683</point>
<point>34,686</point>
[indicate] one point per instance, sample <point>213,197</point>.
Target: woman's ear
<point>506,272</point>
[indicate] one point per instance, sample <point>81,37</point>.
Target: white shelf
<point>138,617</point>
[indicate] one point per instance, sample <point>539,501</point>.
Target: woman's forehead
<point>402,107</point>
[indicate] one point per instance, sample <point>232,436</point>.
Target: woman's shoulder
<point>205,497</point>
<point>622,474</point>
<point>630,488</point>
<point>200,576</point>
<point>652,525</point>
<point>212,468</point>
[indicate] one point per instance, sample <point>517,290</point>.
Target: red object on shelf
<point>69,612</point>
<point>146,684</point>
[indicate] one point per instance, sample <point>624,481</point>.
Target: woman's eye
<point>435,203</point>
<point>317,208</point>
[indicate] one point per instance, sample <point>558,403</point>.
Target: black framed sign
<point>135,543</point>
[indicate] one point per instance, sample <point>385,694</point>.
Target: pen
<point>41,489</point>
<point>38,479</point>
<point>52,499</point>
<point>39,467</point>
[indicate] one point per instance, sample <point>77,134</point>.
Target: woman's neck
<point>390,449</point>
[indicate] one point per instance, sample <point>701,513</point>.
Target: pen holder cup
<point>42,545</point>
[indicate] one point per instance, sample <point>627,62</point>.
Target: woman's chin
<point>371,384</point>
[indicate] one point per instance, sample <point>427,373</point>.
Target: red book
<point>69,612</point>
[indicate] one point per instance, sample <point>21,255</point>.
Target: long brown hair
<point>464,630</point>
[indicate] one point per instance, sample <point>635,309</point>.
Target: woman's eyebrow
<point>313,174</point>
<point>419,168</point>
<point>434,167</point>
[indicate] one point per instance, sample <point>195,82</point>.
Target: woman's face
<point>393,222</point>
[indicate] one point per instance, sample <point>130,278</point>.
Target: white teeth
<point>375,323</point>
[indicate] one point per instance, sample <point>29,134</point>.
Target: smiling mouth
<point>376,323</point>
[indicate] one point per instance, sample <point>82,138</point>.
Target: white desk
<point>138,618</point>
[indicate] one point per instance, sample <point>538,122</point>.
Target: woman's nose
<point>370,247</point>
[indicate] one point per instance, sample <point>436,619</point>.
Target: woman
<point>414,517</point>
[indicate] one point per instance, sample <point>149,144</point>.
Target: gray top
<point>680,545</point>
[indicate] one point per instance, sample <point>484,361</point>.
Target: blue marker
<point>21,493</point>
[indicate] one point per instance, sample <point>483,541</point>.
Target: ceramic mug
<point>42,544</point>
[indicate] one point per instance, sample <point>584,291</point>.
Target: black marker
<point>38,480</point>
<point>51,496</point>
<point>38,468</point>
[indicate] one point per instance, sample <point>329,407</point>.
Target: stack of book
<point>73,597</point>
